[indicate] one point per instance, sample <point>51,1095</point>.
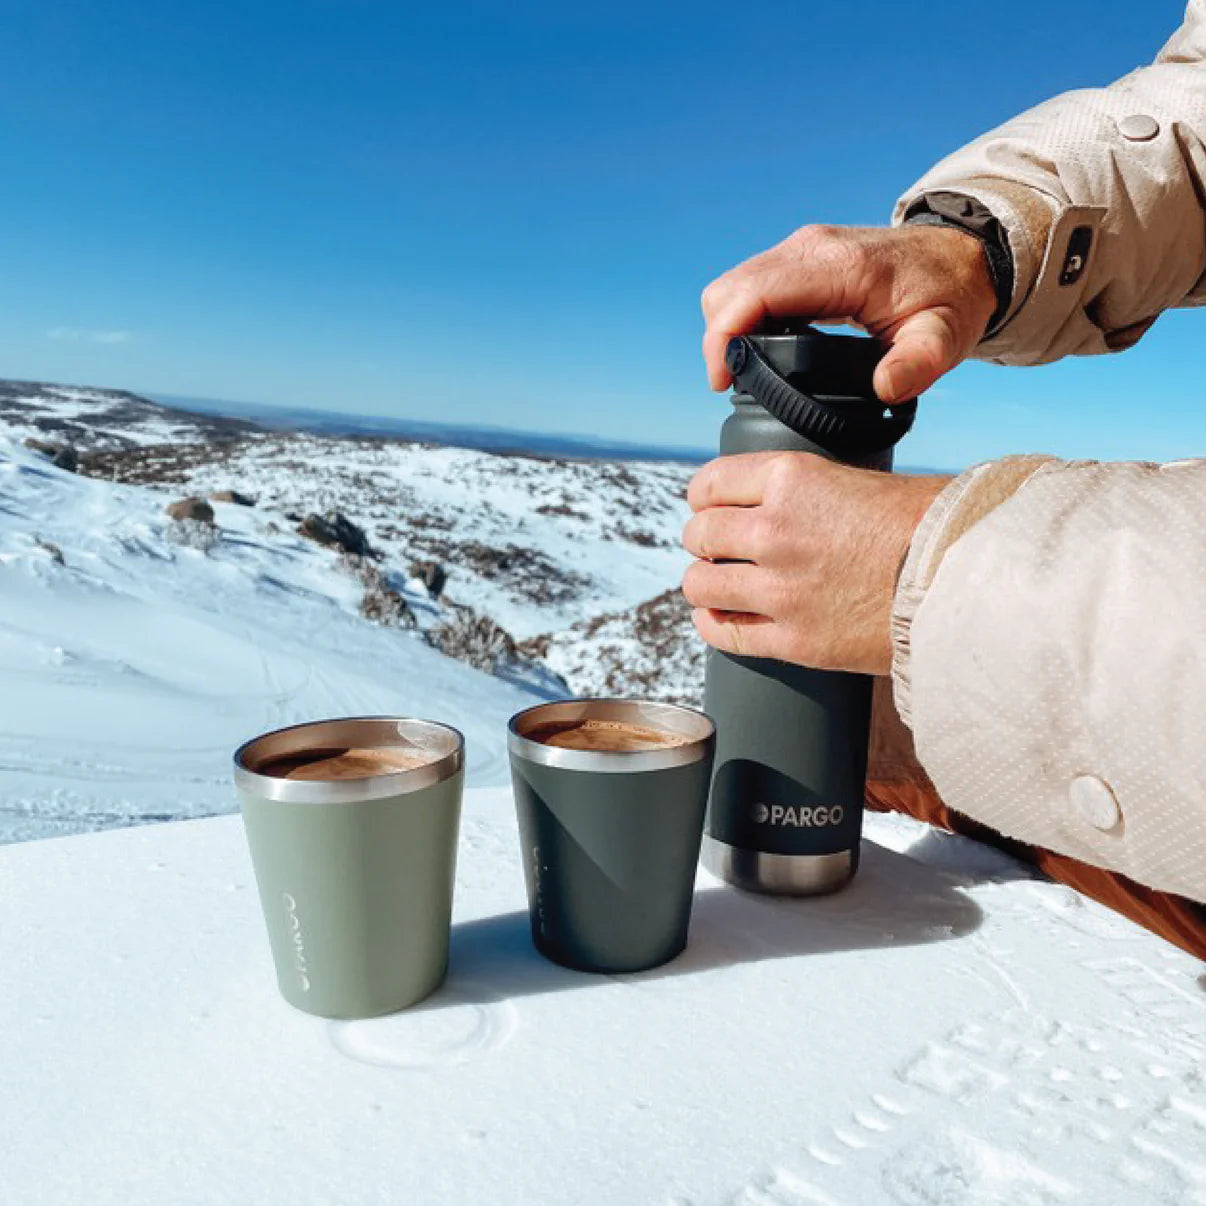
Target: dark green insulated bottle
<point>785,812</point>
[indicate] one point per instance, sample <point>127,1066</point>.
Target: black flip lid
<point>819,385</point>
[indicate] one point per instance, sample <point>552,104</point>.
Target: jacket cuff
<point>1026,214</point>
<point>961,505</point>
<point>956,211</point>
<point>1052,245</point>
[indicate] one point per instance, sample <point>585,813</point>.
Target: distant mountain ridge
<point>485,438</point>
<point>217,417</point>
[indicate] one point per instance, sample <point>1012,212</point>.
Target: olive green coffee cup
<point>610,839</point>
<point>355,876</point>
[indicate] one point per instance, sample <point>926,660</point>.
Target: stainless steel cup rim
<point>672,718</point>
<point>445,744</point>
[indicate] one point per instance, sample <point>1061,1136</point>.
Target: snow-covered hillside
<point>133,666</point>
<point>537,544</point>
<point>137,651</point>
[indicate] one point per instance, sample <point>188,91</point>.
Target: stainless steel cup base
<point>779,874</point>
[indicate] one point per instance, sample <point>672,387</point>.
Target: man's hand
<point>799,557</point>
<point>925,290</point>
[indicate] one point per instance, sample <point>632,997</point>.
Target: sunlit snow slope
<point>131,667</point>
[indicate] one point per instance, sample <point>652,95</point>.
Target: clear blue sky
<point>503,214</point>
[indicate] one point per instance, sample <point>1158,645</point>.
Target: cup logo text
<point>296,941</point>
<point>537,895</point>
<point>798,816</point>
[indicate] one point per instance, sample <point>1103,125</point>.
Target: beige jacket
<point>1050,620</point>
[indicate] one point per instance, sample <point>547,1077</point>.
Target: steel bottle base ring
<point>778,874</point>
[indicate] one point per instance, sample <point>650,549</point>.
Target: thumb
<point>924,347</point>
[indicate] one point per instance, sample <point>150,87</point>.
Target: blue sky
<point>504,214</point>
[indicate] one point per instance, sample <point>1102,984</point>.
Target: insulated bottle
<point>785,811</point>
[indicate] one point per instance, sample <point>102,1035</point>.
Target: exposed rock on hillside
<point>232,496</point>
<point>92,420</point>
<point>335,530</point>
<point>506,545</point>
<point>196,509</point>
<point>154,464</point>
<point>61,456</point>
<point>432,574</point>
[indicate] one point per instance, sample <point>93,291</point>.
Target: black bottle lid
<point>819,385</point>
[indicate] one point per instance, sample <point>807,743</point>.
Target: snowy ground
<point>133,667</point>
<point>536,543</point>
<point>946,1032</point>
<point>134,664</point>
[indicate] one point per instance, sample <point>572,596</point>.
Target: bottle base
<point>779,874</point>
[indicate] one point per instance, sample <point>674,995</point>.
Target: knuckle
<point>784,474</point>
<point>814,234</point>
<point>697,537</point>
<point>709,299</point>
<point>720,292</point>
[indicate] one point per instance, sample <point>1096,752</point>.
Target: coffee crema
<point>605,736</point>
<point>335,765</point>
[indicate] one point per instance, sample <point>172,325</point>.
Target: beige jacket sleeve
<point>1101,193</point>
<point>1050,657</point>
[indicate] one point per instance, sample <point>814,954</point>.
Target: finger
<point>743,635</point>
<point>739,317</point>
<point>923,348</point>
<point>731,586</point>
<point>722,534</point>
<point>731,481</point>
<point>808,274</point>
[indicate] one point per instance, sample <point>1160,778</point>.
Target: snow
<point>606,539</point>
<point>103,418</point>
<point>584,537</point>
<point>134,669</point>
<point>948,1030</point>
<point>945,1031</point>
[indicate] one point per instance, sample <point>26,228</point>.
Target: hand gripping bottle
<point>785,813</point>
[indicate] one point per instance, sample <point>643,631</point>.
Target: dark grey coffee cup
<point>355,876</point>
<point>610,840</point>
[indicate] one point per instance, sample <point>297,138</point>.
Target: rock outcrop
<point>335,530</point>
<point>194,509</point>
<point>232,496</point>
<point>61,456</point>
<point>432,574</point>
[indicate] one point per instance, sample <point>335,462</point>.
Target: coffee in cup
<point>334,765</point>
<point>611,736</point>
